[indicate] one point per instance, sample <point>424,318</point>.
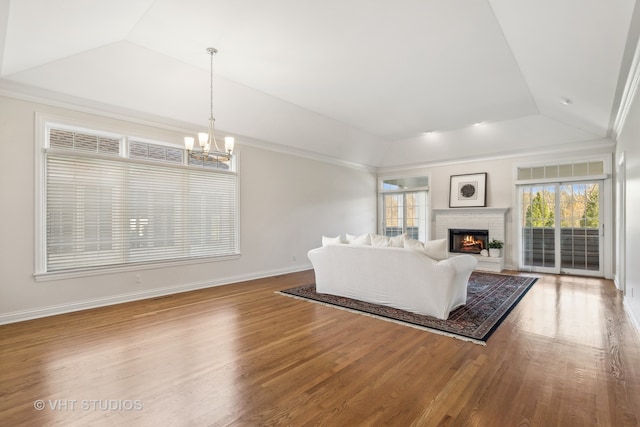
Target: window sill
<point>98,271</point>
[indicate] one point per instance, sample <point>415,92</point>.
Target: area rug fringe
<point>399,322</point>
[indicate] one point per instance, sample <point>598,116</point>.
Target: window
<point>404,207</point>
<point>111,201</point>
<point>561,216</point>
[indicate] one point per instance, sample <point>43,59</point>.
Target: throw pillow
<point>365,239</point>
<point>326,241</point>
<point>436,249</point>
<point>413,244</point>
<point>378,240</point>
<point>398,241</point>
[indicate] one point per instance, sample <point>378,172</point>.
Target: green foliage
<point>540,213</point>
<point>495,244</point>
<point>591,210</point>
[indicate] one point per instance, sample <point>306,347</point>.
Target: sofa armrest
<point>461,266</point>
<point>461,263</point>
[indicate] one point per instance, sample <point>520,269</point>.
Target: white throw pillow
<point>398,241</point>
<point>436,249</point>
<point>414,244</point>
<point>365,239</point>
<point>378,240</point>
<point>326,241</point>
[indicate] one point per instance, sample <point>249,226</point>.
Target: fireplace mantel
<point>466,211</point>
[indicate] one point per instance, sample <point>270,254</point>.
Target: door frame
<point>621,224</point>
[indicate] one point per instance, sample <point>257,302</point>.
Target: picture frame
<point>468,190</point>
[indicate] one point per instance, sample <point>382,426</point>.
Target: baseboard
<point>635,321</point>
<point>19,316</point>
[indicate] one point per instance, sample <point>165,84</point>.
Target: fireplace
<point>468,241</point>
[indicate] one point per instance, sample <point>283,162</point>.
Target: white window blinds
<point>110,211</point>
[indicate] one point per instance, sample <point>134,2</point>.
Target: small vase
<point>494,252</point>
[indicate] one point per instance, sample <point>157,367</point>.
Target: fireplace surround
<point>491,219</point>
<point>468,241</point>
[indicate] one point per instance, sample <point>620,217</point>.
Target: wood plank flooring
<point>242,355</point>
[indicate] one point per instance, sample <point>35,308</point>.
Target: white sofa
<point>397,277</point>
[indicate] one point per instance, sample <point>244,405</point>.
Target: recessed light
<point>478,124</point>
<point>566,101</point>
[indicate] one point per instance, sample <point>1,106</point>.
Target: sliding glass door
<point>561,228</point>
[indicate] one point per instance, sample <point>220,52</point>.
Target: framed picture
<point>468,190</point>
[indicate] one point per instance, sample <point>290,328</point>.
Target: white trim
<point>570,148</point>
<point>563,179</point>
<point>635,321</point>
<point>19,316</point>
<point>40,220</point>
<point>485,211</point>
<point>97,271</point>
<point>40,96</point>
<point>607,229</point>
<point>278,148</point>
<point>620,190</point>
<point>628,94</point>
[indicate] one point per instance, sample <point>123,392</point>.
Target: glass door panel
<point>571,243</point>
<point>580,226</point>
<point>538,226</point>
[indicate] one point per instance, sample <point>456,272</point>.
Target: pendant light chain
<point>212,127</point>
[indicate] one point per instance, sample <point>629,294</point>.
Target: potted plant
<point>494,248</point>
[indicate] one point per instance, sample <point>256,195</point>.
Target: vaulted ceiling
<point>375,82</point>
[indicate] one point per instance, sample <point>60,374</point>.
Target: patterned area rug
<point>490,298</point>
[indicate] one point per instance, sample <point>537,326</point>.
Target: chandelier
<point>209,150</point>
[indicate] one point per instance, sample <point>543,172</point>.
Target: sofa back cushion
<point>365,239</point>
<point>326,241</point>
<point>378,240</point>
<point>435,249</point>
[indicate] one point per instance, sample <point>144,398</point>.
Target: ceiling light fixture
<point>478,124</point>
<point>210,152</point>
<point>566,101</point>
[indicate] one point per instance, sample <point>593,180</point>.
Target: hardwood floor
<point>243,355</point>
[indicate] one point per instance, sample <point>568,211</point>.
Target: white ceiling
<point>359,80</point>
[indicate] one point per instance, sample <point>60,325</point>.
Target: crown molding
<point>41,96</point>
<point>569,148</point>
<point>628,95</point>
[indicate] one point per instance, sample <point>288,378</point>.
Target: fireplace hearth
<point>467,241</point>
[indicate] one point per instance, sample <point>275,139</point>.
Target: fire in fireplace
<point>468,241</point>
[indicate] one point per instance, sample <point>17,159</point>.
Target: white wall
<point>501,192</point>
<point>287,202</point>
<point>629,144</point>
